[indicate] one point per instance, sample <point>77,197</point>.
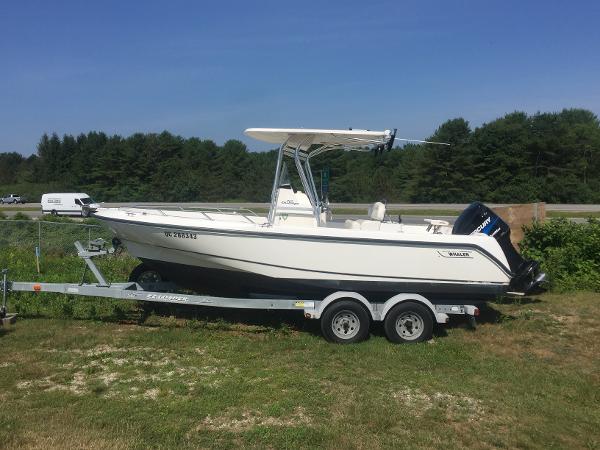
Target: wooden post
<point>516,216</point>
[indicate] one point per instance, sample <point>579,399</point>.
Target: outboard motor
<point>478,218</point>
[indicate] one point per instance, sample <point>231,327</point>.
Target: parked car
<point>12,198</point>
<point>68,204</point>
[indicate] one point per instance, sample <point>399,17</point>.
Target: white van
<point>68,204</point>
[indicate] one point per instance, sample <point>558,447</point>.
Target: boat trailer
<point>345,316</point>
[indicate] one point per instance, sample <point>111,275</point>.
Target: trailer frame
<point>133,291</point>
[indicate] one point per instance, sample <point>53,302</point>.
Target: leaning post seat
<point>376,215</point>
<point>377,211</point>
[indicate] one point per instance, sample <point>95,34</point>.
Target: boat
<point>300,249</point>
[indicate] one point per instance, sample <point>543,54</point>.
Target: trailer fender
<point>315,313</point>
<point>399,298</point>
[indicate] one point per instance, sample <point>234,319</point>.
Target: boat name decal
<point>289,202</point>
<point>177,234</point>
<point>455,253</point>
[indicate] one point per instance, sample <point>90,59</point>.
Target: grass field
<point>101,373</point>
<point>528,377</point>
<point>18,208</point>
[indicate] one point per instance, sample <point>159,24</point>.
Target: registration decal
<point>180,235</point>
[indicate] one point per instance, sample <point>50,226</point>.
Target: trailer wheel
<point>53,212</point>
<point>408,322</point>
<point>143,274</point>
<point>345,322</point>
<point>147,277</point>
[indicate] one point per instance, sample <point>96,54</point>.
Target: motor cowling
<point>478,218</point>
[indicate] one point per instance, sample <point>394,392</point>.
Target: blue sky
<point>212,69</point>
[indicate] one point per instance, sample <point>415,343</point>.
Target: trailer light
<point>37,287</point>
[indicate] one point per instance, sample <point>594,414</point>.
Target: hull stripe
<point>431,280</point>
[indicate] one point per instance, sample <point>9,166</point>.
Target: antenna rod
<point>422,142</point>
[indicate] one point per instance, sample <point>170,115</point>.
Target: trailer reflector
<point>37,287</point>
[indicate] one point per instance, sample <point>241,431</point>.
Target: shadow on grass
<point>6,329</point>
<point>517,300</point>
<point>229,319</point>
<point>258,321</point>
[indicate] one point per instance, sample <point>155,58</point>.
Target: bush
<point>61,219</point>
<point>21,216</point>
<point>569,252</point>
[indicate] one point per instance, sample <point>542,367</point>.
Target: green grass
<point>100,373</point>
<point>573,214</point>
<point>18,208</point>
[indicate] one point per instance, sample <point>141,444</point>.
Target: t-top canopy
<point>294,137</point>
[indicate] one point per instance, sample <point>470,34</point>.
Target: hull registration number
<point>180,235</point>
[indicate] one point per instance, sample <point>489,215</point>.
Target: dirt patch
<point>113,372</point>
<point>151,394</point>
<point>456,407</point>
<point>76,385</point>
<point>236,422</point>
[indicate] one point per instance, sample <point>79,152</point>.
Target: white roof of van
<point>75,194</point>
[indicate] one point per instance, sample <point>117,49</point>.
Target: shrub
<point>61,219</point>
<point>569,252</point>
<point>21,216</point>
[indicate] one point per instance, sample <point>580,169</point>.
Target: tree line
<point>552,157</point>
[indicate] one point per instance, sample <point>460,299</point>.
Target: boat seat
<point>377,211</point>
<point>362,224</point>
<point>376,215</point>
<point>352,224</point>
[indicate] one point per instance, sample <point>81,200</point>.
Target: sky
<point>213,68</point>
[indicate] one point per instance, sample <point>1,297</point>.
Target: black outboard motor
<point>478,218</point>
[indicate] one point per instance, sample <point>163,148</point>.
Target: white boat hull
<point>296,261</point>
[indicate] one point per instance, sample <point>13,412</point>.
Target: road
<point>11,210</point>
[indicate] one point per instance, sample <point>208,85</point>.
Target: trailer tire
<point>53,212</point>
<point>408,322</point>
<point>345,322</point>
<point>145,274</point>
